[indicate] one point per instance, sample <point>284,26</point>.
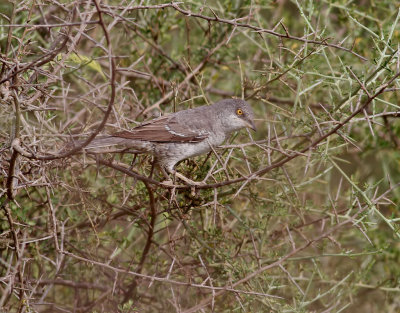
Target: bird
<point>184,134</point>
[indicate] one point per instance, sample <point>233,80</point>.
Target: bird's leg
<point>153,163</point>
<point>183,178</point>
<point>168,180</point>
<point>175,174</point>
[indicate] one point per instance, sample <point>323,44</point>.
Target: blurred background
<point>300,216</point>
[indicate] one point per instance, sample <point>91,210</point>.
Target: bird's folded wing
<point>163,129</point>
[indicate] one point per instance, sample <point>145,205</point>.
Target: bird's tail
<point>98,142</point>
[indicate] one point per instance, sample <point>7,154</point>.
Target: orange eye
<point>239,112</point>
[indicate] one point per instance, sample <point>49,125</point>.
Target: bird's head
<point>236,114</point>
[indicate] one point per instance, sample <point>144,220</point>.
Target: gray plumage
<point>183,134</point>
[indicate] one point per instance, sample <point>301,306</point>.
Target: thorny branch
<point>234,22</point>
<point>277,164</point>
<point>138,233</point>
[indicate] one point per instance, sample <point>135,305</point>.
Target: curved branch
<point>46,58</point>
<point>109,107</point>
<point>112,96</point>
<point>266,169</point>
<point>264,30</point>
<point>215,18</point>
<point>146,249</point>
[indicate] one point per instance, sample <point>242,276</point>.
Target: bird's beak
<point>250,124</point>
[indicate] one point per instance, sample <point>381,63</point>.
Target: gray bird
<point>183,134</point>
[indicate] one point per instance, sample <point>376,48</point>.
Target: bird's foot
<point>187,180</point>
<point>168,183</point>
<point>180,176</point>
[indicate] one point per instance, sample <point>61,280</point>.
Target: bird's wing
<point>163,129</point>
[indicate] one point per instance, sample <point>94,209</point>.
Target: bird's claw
<point>168,183</point>
<point>188,181</point>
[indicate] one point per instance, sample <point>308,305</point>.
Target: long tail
<point>99,142</point>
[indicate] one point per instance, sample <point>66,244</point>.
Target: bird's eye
<point>239,112</point>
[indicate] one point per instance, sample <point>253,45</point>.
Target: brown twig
<point>146,249</point>
<point>188,78</point>
<point>9,36</point>
<point>277,263</point>
<point>18,255</point>
<point>215,18</point>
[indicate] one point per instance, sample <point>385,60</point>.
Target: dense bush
<point>301,216</point>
